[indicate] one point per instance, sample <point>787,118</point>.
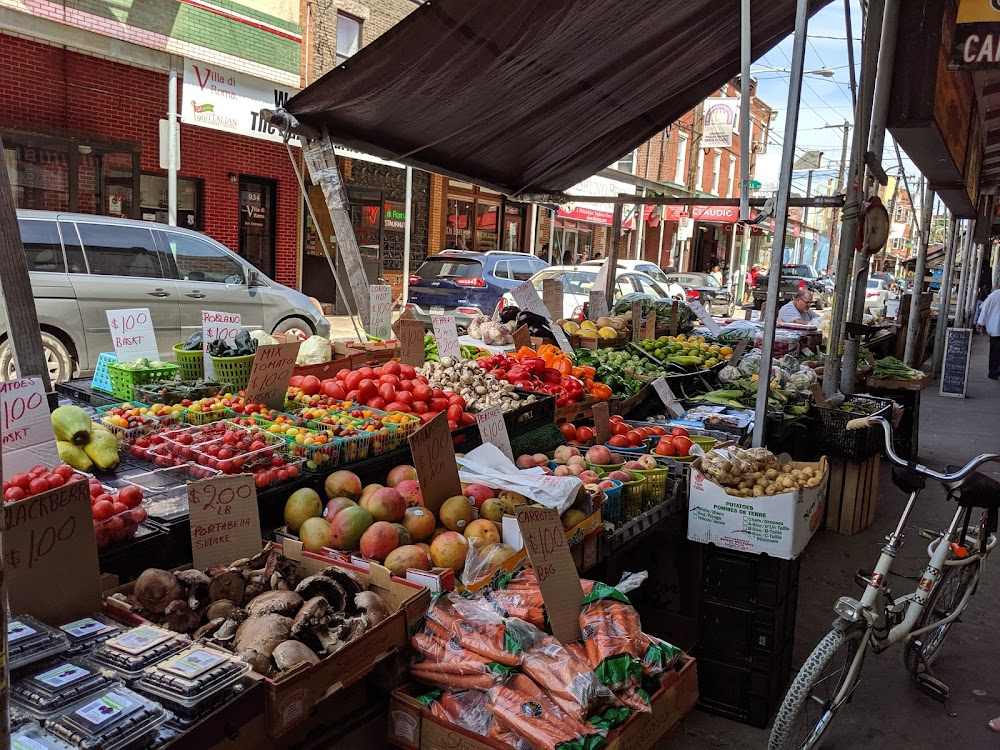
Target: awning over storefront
<point>522,96</point>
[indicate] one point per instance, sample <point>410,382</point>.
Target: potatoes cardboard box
<point>413,727</point>
<point>291,697</point>
<point>777,525</point>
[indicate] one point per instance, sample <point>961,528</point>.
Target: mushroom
<point>281,602</point>
<point>312,624</point>
<point>319,585</point>
<point>353,627</point>
<point>373,607</point>
<point>259,560</point>
<point>197,584</point>
<point>156,588</point>
<point>179,617</point>
<point>285,575</point>
<point>252,591</point>
<point>288,654</point>
<point>209,628</point>
<point>351,581</point>
<point>228,584</point>
<point>222,608</point>
<point>257,638</point>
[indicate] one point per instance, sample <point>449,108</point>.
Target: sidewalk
<point>887,710</point>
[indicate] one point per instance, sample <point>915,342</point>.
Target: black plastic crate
<point>747,694</point>
<point>753,636</point>
<point>745,579</point>
<point>854,445</point>
<point>527,417</point>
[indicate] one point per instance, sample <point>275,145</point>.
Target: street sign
<point>754,185</point>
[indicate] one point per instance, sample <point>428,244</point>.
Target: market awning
<point>522,96</point>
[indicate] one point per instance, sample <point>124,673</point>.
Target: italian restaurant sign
<point>976,42</point>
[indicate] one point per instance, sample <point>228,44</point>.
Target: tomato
<point>332,389</point>
<point>119,507</point>
<point>456,400</point>
<point>390,379</point>
<point>406,385</point>
<point>682,445</point>
<point>295,381</point>
<point>404,397</point>
<point>407,372</point>
<point>21,480</point>
<point>656,430</point>
<point>130,495</point>
<point>397,406</point>
<point>386,392</point>
<point>664,448</point>
<point>452,425</point>
<point>310,385</point>
<point>37,485</point>
<point>438,393</point>
<point>367,373</point>
<point>584,434</point>
<point>428,416</point>
<point>64,470</point>
<point>438,404</point>
<point>634,438</point>
<point>455,412</point>
<point>391,368</point>
<point>616,418</point>
<point>353,379</point>
<point>568,430</point>
<point>419,407</point>
<point>679,431</point>
<point>353,396</point>
<point>618,441</point>
<point>367,389</point>
<point>618,428</point>
<point>468,419</point>
<point>342,374</point>
<point>376,373</point>
<point>102,510</point>
<point>375,403</point>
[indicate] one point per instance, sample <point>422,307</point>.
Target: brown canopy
<point>528,96</point>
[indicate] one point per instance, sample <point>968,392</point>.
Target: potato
<point>758,474</point>
<point>785,468</point>
<point>743,485</point>
<point>731,491</point>
<point>746,493</point>
<point>813,481</point>
<point>771,490</point>
<point>787,482</point>
<point>808,471</point>
<point>771,473</point>
<point>758,491</point>
<point>796,473</point>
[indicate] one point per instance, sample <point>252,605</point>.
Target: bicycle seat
<point>978,491</point>
<point>908,481</point>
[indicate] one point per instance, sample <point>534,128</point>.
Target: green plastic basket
<point>654,490</point>
<point>123,381</point>
<point>235,370</point>
<point>633,495</point>
<point>606,468</point>
<point>192,363</point>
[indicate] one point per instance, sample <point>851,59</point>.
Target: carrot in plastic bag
<point>657,655</point>
<point>464,708</point>
<point>567,678</point>
<point>611,637</point>
<point>525,604</point>
<point>481,630</point>
<point>428,674</point>
<point>523,707</point>
<point>505,736</point>
<point>443,650</point>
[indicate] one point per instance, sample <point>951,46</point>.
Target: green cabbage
<point>314,350</point>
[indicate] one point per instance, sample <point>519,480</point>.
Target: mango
<point>74,455</point>
<point>102,450</point>
<point>72,424</point>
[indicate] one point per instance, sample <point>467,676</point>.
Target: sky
<point>824,101</point>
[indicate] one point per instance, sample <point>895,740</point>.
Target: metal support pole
<point>746,136</point>
<point>916,294</point>
<point>640,227</point>
<point>552,237</point>
<point>963,275</point>
<point>944,296</point>
<point>407,210</point>
<point>659,253</point>
<point>805,215</point>
<point>532,229</point>
<point>970,309</point>
<point>172,143</point>
<point>741,278</point>
<point>781,217</point>
<point>732,264</point>
<point>616,230</point>
<point>832,254</point>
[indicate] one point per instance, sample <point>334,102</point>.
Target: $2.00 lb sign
<point>225,521</point>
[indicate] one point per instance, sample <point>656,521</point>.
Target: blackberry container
<point>88,633</point>
<point>57,683</point>
<point>194,682</point>
<point>116,719</point>
<point>134,650</point>
<point>29,640</point>
<point>36,738</point>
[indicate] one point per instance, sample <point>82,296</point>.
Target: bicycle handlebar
<point>963,473</point>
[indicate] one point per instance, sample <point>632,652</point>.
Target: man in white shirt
<point>989,319</point>
<point>798,310</point>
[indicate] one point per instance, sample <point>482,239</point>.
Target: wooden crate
<point>852,495</point>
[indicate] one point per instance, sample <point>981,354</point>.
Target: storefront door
<point>257,223</point>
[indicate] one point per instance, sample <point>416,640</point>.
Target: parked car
<point>641,266</point>
<point>578,281</point>
<point>82,265</point>
<point>706,289</point>
<point>876,294</point>
<point>795,277</point>
<point>466,284</point>
<point>891,282</point>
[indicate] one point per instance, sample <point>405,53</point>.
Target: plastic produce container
<point>88,633</point>
<point>29,641</point>
<point>134,650</point>
<point>58,683</point>
<point>36,738</point>
<point>194,682</point>
<point>116,719</point>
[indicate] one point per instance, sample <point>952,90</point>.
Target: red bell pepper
<point>534,365</point>
<point>517,372</point>
<point>551,375</point>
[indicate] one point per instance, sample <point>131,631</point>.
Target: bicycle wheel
<point>808,709</point>
<point>943,602</point>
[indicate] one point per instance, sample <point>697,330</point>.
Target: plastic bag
<point>481,559</point>
<point>521,706</point>
<point>567,678</point>
<point>612,637</point>
<point>464,708</point>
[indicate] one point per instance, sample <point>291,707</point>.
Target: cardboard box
<point>411,725</point>
<point>777,525</point>
<point>234,726</point>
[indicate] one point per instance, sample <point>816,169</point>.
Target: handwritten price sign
<point>636,320</point>
<point>668,398</point>
<point>552,298</point>
<point>598,304</point>
<point>410,334</point>
<point>50,555</point>
<point>273,367</point>
<point>493,429</point>
<point>28,439</point>
<point>527,298</point>
<point>217,326</point>
<point>446,335</point>
<point>545,540</point>
<point>225,521</point>
<point>380,310</point>
<point>698,309</point>
<point>132,334</point>
<point>434,460</point>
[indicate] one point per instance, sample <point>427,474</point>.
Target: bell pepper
<point>534,365</point>
<point>600,392</point>
<point>517,372</point>
<point>526,385</point>
<point>550,375</point>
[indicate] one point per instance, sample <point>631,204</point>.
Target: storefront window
<point>486,227</point>
<point>38,176</point>
<point>153,200</point>
<point>574,242</point>
<point>458,225</point>
<point>497,225</point>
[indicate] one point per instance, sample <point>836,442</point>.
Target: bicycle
<point>920,621</point>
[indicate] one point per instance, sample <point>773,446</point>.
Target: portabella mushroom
<point>373,607</point>
<point>351,581</point>
<point>156,588</point>
<point>227,584</point>
<point>197,585</point>
<point>288,654</point>
<point>320,585</point>
<point>281,602</point>
<point>257,638</point>
<point>222,608</point>
<point>313,625</point>
<point>210,628</point>
<point>179,617</point>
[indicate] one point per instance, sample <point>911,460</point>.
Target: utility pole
<point>832,255</point>
<point>692,176</point>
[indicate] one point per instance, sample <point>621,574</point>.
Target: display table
<point>907,394</point>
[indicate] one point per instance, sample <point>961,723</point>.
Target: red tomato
<point>375,403</point>
<point>664,448</point>
<point>468,419</point>
<point>568,430</point>
<point>618,441</point>
<point>407,372</point>
<point>390,379</point>
<point>391,368</point>
<point>438,404</point>
<point>634,438</point>
<point>422,392</point>
<point>452,425</point>
<point>397,406</point>
<point>376,373</point>
<point>455,412</point>
<point>64,470</point>
<point>353,379</point>
<point>682,445</point>
<point>419,407</point>
<point>367,389</point>
<point>405,397</point>
<point>119,507</point>
<point>333,389</point>
<point>584,434</point>
<point>353,396</point>
<point>618,428</point>
<point>310,385</point>
<point>428,416</point>
<point>656,430</point>
<point>438,393</point>
<point>342,374</point>
<point>616,418</point>
<point>295,381</point>
<point>679,431</point>
<point>456,399</point>
<point>130,495</point>
<point>102,510</point>
<point>38,484</point>
<point>386,392</point>
<point>367,373</point>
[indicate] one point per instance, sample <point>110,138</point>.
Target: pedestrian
<point>568,258</point>
<point>716,273</point>
<point>798,310</point>
<point>754,273</point>
<point>597,256</point>
<point>989,320</point>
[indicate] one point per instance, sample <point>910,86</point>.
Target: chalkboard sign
<point>955,368</point>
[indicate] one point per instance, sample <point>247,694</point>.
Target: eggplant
<point>509,313</point>
<point>193,343</point>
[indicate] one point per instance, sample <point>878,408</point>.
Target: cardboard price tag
<point>545,540</point>
<point>522,338</point>
<point>552,298</point>
<point>379,310</point>
<point>598,305</point>
<point>704,317</point>
<point>636,320</point>
<point>273,367</point>
<point>28,439</point>
<point>434,460</point>
<point>602,422</point>
<point>527,298</point>
<point>673,318</point>
<point>668,398</point>
<point>446,335</point>
<point>649,332</point>
<point>132,334</point>
<point>493,429</point>
<point>737,355</point>
<point>817,391</point>
<point>561,339</point>
<point>217,326</point>
<point>225,521</point>
<point>410,334</point>
<point>50,555</point>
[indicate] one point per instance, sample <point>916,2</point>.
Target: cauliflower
<point>261,337</point>
<point>314,351</point>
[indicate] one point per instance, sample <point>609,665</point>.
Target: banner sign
<point>975,45</point>
<point>719,120</point>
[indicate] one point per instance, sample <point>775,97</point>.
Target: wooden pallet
<point>852,495</point>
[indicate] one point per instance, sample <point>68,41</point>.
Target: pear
<point>103,450</point>
<point>71,424</point>
<point>74,455</point>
